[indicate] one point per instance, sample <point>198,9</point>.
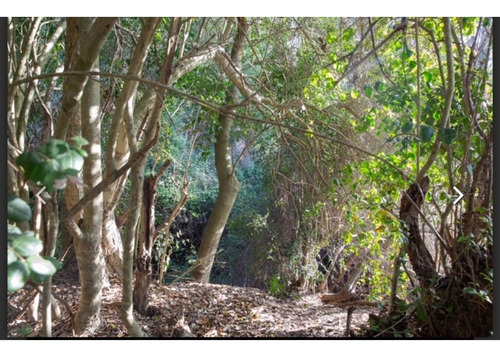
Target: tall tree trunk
<point>228,184</point>
<point>419,255</point>
<point>117,151</point>
<point>144,270</point>
<point>143,261</point>
<point>88,249</point>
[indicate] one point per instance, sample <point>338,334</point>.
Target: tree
<point>228,184</point>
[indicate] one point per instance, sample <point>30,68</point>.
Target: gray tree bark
<point>228,184</point>
<point>88,249</point>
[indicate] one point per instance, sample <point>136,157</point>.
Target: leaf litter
<point>190,309</point>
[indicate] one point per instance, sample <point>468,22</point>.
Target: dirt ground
<point>191,309</point>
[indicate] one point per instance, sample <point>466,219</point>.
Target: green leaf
<point>55,262</point>
<point>71,160</point>
<point>27,245</point>
<point>368,91</point>
<point>426,133</point>
<point>348,34</point>
<point>407,127</point>
<point>421,315</point>
<point>448,135</point>
<point>54,148</point>
<point>28,161</point>
<point>81,152</point>
<point>17,209</point>
<point>17,275</point>
<point>427,76</point>
<point>343,97</point>
<point>41,266</point>
<point>79,141</point>
<point>43,169</point>
<point>407,53</point>
<point>469,290</point>
<point>379,86</point>
<point>55,180</point>
<point>354,94</point>
<point>11,256</point>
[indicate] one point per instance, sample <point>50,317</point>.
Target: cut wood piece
<point>342,296</point>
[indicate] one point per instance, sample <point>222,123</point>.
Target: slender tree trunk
<point>117,152</point>
<point>228,184</point>
<point>50,249</point>
<point>143,261</point>
<point>88,249</point>
<point>419,255</point>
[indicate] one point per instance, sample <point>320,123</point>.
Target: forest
<point>240,177</point>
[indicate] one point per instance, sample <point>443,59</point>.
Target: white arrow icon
<point>38,195</point>
<point>460,195</point>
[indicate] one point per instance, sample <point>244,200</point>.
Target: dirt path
<point>201,310</point>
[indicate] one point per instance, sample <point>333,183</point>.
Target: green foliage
<point>50,166</point>
<point>23,260</point>
<point>277,288</point>
<point>53,163</point>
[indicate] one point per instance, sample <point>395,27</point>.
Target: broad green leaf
<point>348,34</point>
<point>379,86</point>
<point>407,54</point>
<point>27,245</point>
<point>13,232</point>
<point>41,266</point>
<point>426,133</point>
<point>427,76</point>
<point>17,276</point>
<point>448,135</point>
<point>71,160</point>
<point>368,91</point>
<point>343,97</point>
<point>28,160</point>
<point>54,148</point>
<point>354,94</point>
<point>421,315</point>
<point>17,209</point>
<point>79,141</point>
<point>55,180</point>
<point>81,152</point>
<point>407,127</point>
<point>71,172</point>
<point>55,262</point>
<point>11,256</point>
<point>469,290</point>
<point>43,169</point>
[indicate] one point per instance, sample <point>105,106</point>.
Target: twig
<point>216,108</point>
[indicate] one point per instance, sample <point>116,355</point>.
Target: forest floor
<point>190,309</point>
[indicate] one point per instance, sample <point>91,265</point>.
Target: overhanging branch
<point>214,107</point>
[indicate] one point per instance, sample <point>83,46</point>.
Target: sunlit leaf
<point>17,276</point>
<point>368,91</point>
<point>41,266</point>
<point>27,245</point>
<point>11,256</point>
<point>427,76</point>
<point>71,160</point>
